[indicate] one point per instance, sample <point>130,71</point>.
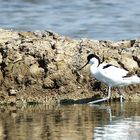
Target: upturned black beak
<point>83,66</point>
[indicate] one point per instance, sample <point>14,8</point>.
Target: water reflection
<point>70,122</point>
<point>120,127</point>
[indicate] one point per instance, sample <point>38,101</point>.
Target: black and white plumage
<point>109,74</point>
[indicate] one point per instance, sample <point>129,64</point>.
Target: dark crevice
<point>43,63</point>
<point>3,66</point>
<point>132,42</point>
<point>27,82</point>
<point>57,83</point>
<point>137,60</point>
<point>53,46</point>
<point>96,86</point>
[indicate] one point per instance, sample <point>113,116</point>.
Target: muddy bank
<point>42,67</point>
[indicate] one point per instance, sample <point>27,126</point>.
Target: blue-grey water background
<point>94,19</point>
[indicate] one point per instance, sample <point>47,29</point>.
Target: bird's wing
<point>113,71</point>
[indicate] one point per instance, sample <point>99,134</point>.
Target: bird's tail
<point>135,79</point>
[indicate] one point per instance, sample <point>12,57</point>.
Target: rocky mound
<point>42,67</point>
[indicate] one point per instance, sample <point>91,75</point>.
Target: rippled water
<point>96,19</point>
<point>71,122</point>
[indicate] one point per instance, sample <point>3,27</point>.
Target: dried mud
<point>42,67</point>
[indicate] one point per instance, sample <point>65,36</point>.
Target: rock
<point>48,83</point>
<point>1,77</point>
<point>35,70</point>
<point>12,92</point>
<point>40,66</point>
<point>8,35</point>
<point>0,58</point>
<point>29,60</point>
<point>128,63</point>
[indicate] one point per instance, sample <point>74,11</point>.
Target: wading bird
<point>111,75</point>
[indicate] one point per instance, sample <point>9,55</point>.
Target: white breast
<point>111,75</point>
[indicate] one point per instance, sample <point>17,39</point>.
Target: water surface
<point>71,122</point>
<point>96,19</point>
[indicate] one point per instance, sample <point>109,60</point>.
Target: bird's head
<point>92,59</point>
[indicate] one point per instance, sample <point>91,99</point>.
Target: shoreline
<point>41,67</point>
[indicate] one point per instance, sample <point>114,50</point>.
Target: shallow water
<point>71,122</point>
<point>96,19</point>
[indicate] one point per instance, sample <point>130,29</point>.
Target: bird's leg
<point>104,99</point>
<point>121,95</point>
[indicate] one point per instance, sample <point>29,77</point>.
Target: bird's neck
<point>94,63</point>
<point>94,67</point>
